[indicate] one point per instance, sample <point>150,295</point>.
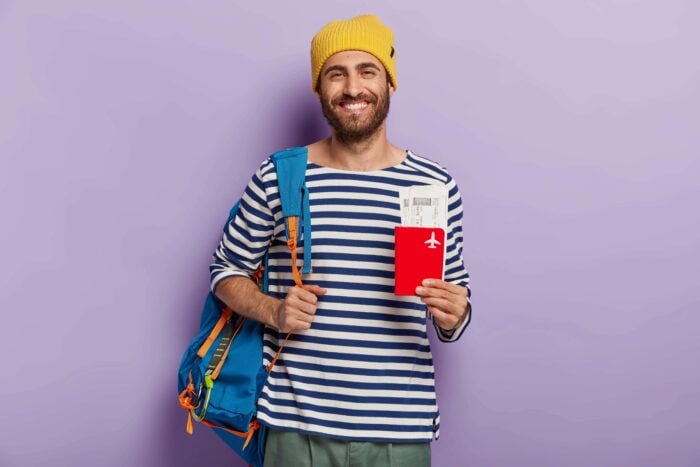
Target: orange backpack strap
<point>279,351</point>
<point>225,315</point>
<point>248,435</point>
<point>292,232</point>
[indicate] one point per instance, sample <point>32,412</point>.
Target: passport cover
<point>419,253</point>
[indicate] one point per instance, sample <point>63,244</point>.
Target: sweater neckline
<point>363,172</point>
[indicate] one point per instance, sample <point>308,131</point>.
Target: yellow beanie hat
<point>365,32</point>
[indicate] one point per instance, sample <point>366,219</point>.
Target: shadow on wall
<point>301,124</point>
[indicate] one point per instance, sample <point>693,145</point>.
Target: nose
<point>353,85</point>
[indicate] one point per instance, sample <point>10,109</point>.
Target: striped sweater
<point>364,371</point>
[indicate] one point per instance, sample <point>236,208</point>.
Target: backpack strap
<point>290,165</point>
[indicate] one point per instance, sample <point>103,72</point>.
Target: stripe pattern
<point>364,371</point>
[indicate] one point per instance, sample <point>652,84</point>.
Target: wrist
<point>273,305</point>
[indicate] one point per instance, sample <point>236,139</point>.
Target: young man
<point>355,382</point>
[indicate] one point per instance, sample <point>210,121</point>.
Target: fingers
<point>443,305</point>
<point>442,285</point>
<point>291,318</point>
<point>433,292</point>
<point>300,307</point>
<point>314,289</point>
<point>307,294</point>
<point>453,294</point>
<point>446,302</point>
<point>297,310</point>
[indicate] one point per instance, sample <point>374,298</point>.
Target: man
<point>355,382</point>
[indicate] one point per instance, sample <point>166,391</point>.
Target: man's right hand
<point>296,312</point>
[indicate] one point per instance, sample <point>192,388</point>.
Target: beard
<point>356,128</point>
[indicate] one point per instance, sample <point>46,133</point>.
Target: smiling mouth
<point>354,107</point>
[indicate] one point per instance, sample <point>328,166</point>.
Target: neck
<point>372,153</point>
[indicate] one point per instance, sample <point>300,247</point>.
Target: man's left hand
<point>446,302</point>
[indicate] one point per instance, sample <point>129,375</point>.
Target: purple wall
<point>128,129</point>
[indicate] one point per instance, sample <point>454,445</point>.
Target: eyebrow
<point>359,66</point>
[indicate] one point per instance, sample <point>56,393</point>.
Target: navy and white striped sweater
<point>364,370</point>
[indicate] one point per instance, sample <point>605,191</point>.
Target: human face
<point>354,94</point>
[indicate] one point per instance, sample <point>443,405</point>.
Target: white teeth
<point>358,106</point>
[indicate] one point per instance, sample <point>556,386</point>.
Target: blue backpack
<point>221,374</point>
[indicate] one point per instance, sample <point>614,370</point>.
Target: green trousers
<point>293,449</point>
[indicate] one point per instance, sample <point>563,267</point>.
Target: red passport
<point>419,254</point>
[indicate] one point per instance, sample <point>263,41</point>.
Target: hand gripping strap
<point>290,165</point>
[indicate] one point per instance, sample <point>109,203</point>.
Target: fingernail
<point>420,290</point>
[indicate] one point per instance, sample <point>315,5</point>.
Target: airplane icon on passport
<point>432,241</point>
<point>416,258</point>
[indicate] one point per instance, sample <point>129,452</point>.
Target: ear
<point>391,90</point>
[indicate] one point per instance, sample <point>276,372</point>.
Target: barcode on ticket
<point>422,201</point>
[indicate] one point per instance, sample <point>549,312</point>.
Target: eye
<point>368,73</point>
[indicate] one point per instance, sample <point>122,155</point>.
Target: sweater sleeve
<point>248,235</point>
<point>455,271</point>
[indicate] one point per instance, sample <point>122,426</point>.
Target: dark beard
<point>354,132</point>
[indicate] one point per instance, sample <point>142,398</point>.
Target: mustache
<point>349,99</point>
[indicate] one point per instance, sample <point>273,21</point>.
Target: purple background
<point>128,129</point>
